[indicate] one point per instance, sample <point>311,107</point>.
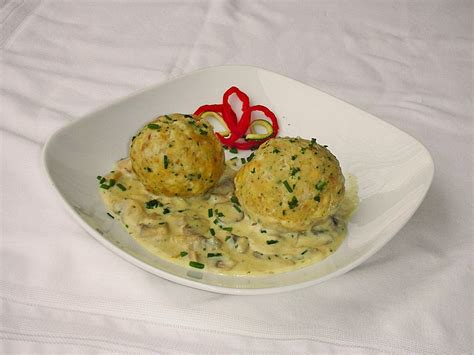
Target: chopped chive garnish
<point>303,253</point>
<point>121,187</point>
<point>294,171</point>
<point>293,202</point>
<point>188,116</point>
<point>153,126</point>
<point>250,157</point>
<point>233,150</point>
<point>209,212</point>
<point>212,255</point>
<point>317,198</point>
<point>153,204</point>
<point>166,210</point>
<point>252,171</point>
<point>272,241</point>
<point>165,161</point>
<point>104,186</point>
<point>234,158</point>
<point>276,150</point>
<point>237,208</point>
<point>321,185</point>
<point>102,180</point>
<point>228,229</point>
<point>263,231</point>
<point>99,177</point>
<point>108,214</point>
<point>169,118</point>
<point>287,185</point>
<point>235,200</point>
<point>216,221</point>
<point>196,265</point>
<point>202,132</point>
<point>212,231</point>
<point>183,253</point>
<point>227,238</point>
<point>242,160</point>
<point>148,169</point>
<point>293,157</point>
<point>111,182</point>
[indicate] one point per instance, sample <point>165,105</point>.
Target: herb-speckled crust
<point>177,155</point>
<point>290,184</point>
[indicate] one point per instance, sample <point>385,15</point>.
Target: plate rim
<point>196,284</point>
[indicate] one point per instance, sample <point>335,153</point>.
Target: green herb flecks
<point>235,200</point>
<point>293,203</point>
<point>317,198</point>
<point>250,157</point>
<point>121,187</point>
<point>321,185</point>
<point>294,171</point>
<point>166,210</point>
<point>196,265</point>
<point>233,150</point>
<point>153,204</point>
<point>108,214</point>
<point>213,255</point>
<point>272,241</point>
<point>287,185</point>
<point>153,126</point>
<point>183,253</point>
<point>212,231</point>
<point>165,161</point>
<point>210,212</point>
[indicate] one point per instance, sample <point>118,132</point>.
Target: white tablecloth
<point>407,62</point>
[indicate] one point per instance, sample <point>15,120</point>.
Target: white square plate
<point>394,171</point>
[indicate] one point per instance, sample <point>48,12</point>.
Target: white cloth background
<point>407,62</point>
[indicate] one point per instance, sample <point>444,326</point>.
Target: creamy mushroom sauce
<point>212,233</point>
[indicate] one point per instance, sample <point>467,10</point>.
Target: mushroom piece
<point>195,226</point>
<point>237,243</point>
<point>229,212</point>
<point>224,187</point>
<point>225,263</point>
<point>159,230</point>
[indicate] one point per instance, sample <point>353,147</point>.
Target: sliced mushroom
<point>224,187</point>
<point>225,263</point>
<point>159,231</point>
<point>238,243</point>
<point>229,212</point>
<point>195,226</point>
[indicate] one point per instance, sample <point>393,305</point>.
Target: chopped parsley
<point>321,185</point>
<point>196,265</point>
<point>293,202</point>
<point>153,204</point>
<point>153,126</point>
<point>272,241</point>
<point>287,185</point>
<point>294,171</point>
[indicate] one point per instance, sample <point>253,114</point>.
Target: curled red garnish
<point>239,127</point>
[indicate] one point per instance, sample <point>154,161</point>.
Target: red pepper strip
<point>227,111</point>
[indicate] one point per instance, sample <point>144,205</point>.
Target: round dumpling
<point>177,155</point>
<point>290,184</point>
